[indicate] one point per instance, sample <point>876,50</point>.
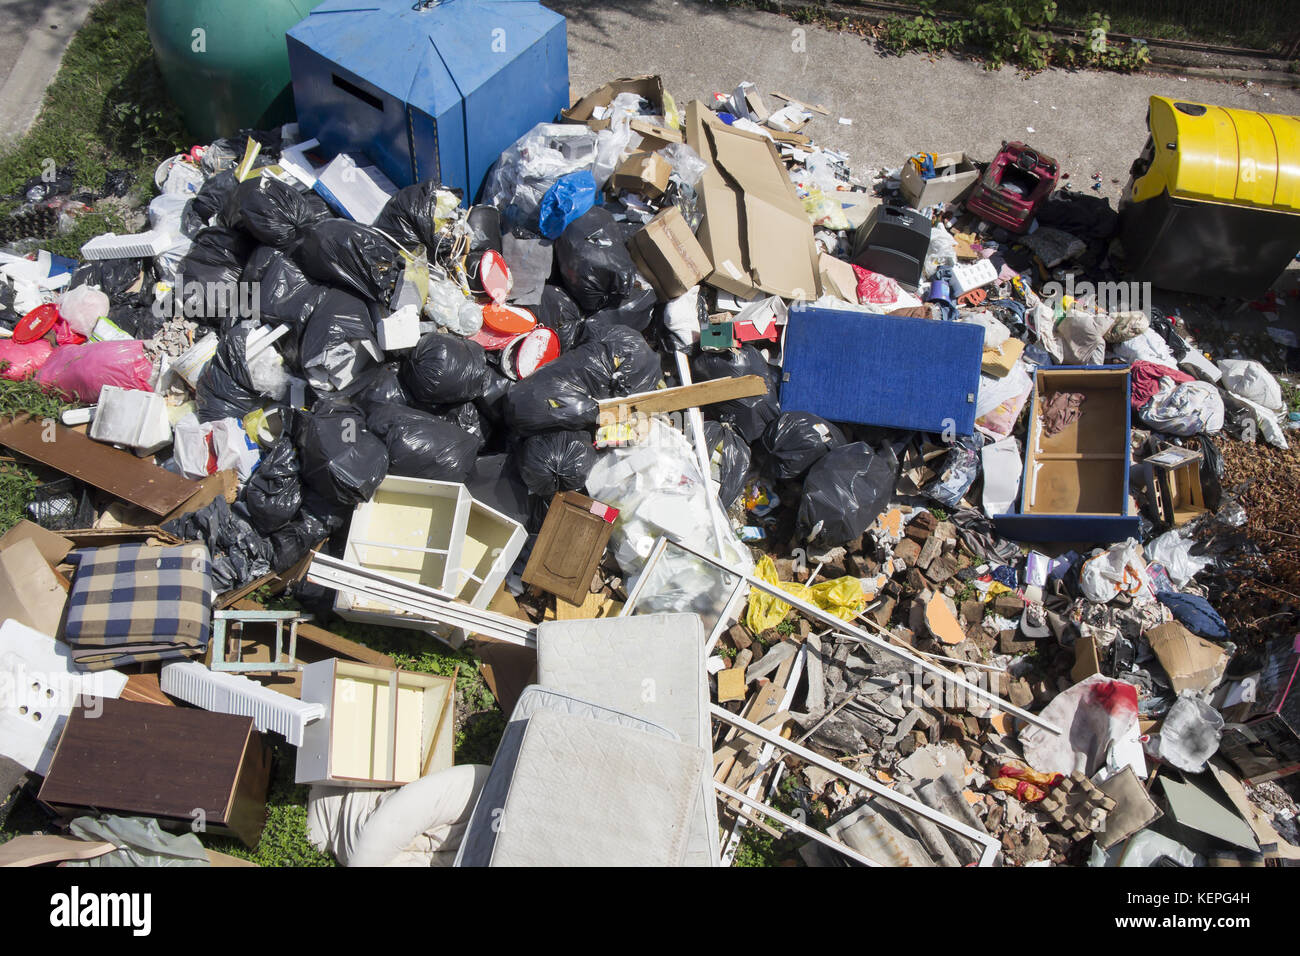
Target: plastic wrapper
<point>445,370</point>
<point>844,492</point>
<point>1102,720</point>
<point>448,306</point>
<point>565,201</point>
<point>80,371</point>
<point>340,459</point>
<point>749,416</point>
<point>351,256</point>
<point>417,214</point>
<point>273,493</point>
<point>338,343</point>
<point>23,361</point>
<point>841,597</point>
<point>729,459</point>
<point>594,262</point>
<point>658,489</point>
<point>556,461</point>
<point>269,376</point>
<point>239,554</point>
<point>268,210</point>
<point>686,163</point>
<point>422,445</point>
<point>559,313</point>
<point>1000,400</point>
<point>961,466</point>
<point>524,172</point>
<point>795,441</point>
<point>687,201</point>
<point>200,449</point>
<point>942,251</point>
<point>1120,569</point>
<point>1189,735</point>
<point>82,307</point>
<point>1184,409</point>
<point>1173,551</point>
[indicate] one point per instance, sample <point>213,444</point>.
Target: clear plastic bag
<point>525,171</point>
<point>1172,550</point>
<point>685,162</point>
<point>448,306</point>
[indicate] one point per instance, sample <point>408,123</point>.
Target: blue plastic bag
<point>568,198</point>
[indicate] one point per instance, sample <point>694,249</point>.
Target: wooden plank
<point>336,645</point>
<point>39,849</point>
<point>808,106</point>
<point>145,689</point>
<point>120,473</point>
<point>224,484</point>
<point>689,396</point>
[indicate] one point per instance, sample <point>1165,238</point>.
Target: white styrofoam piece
<point>401,330</point>
<point>972,275</point>
<point>38,686</point>
<point>109,245</point>
<point>226,693</point>
<point>131,417</point>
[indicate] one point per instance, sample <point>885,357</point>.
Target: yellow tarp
<point>841,597</point>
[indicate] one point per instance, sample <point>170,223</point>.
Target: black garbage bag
<point>556,461</point>
<point>630,364</point>
<point>593,260</point>
<point>210,273</point>
<point>314,522</point>
<point>351,256</point>
<point>749,416</point>
<point>844,492</point>
<point>285,295</point>
<point>495,481</point>
<point>116,278</point>
<point>225,389</point>
<point>957,472</point>
<point>421,445</point>
<point>210,200</point>
<point>239,554</point>
<point>268,210</point>
<point>338,342</point>
<point>340,459</point>
<point>467,416</point>
<point>137,321</point>
<point>273,494</point>
<point>728,451</point>
<point>383,387</point>
<point>794,441</point>
<point>445,369</point>
<point>410,216</point>
<point>634,312</point>
<point>559,313</point>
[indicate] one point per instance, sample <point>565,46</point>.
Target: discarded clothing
<point>1061,410</point>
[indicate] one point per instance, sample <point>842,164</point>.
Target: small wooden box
<point>570,545</point>
<point>174,763</point>
<point>1174,484</point>
<point>1075,483</point>
<point>382,727</point>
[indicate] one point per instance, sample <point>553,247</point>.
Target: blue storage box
<point>428,92</point>
<point>899,372</point>
<point>1075,484</point>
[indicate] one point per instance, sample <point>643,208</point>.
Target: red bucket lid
<point>494,276</point>
<point>527,353</point>
<point>508,319</point>
<point>36,323</point>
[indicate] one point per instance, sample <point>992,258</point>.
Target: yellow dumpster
<point>1213,202</point>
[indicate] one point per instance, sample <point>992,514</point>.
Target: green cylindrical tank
<point>224,62</point>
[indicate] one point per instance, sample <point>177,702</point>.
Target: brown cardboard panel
<point>668,255</point>
<point>647,86</point>
<point>570,546</point>
<point>29,589</point>
<point>946,188</point>
<point>53,547</point>
<point>644,173</point>
<point>1192,662</point>
<point>120,473</point>
<point>506,668</point>
<point>755,230</point>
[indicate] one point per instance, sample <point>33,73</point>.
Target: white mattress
<point>578,784</point>
<point>651,666</point>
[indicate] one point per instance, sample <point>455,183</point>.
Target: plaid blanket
<point>132,603</point>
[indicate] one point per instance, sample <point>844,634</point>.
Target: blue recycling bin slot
<point>428,91</point>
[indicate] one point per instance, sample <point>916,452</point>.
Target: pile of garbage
<point>944,507</point>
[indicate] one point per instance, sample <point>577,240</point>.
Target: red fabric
<point>1146,378</point>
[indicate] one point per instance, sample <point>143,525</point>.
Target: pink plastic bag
<point>875,288</point>
<point>24,360</point>
<point>80,371</point>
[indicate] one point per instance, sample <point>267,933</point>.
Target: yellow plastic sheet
<point>841,597</point>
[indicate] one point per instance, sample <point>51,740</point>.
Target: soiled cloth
<point>1146,376</point>
<point>1061,410</point>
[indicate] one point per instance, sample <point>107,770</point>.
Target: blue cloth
<point>1196,614</point>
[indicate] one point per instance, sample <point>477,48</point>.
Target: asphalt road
<point>33,36</point>
<point>1089,121</point>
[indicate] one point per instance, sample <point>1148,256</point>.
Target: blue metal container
<point>428,90</point>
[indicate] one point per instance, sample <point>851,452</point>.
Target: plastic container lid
<point>527,353</point>
<point>508,319</point>
<point>36,323</point>
<point>494,276</point>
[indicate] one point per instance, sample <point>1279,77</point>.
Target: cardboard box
<point>29,590</point>
<point>647,86</point>
<point>643,173</point>
<point>955,174</point>
<point>1173,477</point>
<point>668,255</point>
<point>655,137</point>
<point>755,231</point>
<point>1192,662</point>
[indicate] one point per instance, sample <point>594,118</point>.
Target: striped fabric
<point>133,603</point>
